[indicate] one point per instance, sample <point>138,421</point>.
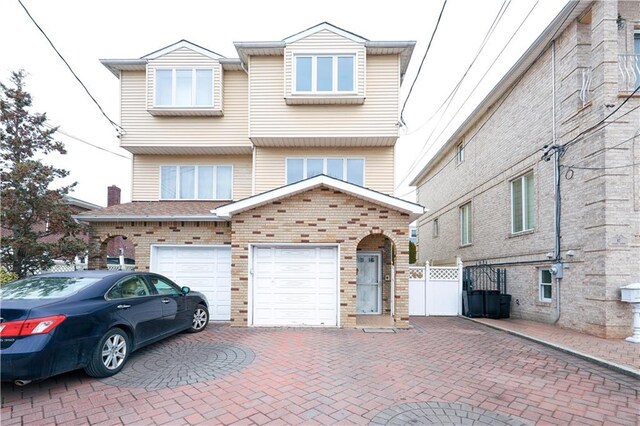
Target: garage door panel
<point>204,269</point>
<point>295,286</point>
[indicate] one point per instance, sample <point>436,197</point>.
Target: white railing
<point>62,266</point>
<point>585,85</point>
<point>629,67</point>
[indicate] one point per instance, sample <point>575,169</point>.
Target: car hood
<point>17,309</point>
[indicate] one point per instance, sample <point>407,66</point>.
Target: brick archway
<point>103,246</point>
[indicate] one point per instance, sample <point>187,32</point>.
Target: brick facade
<point>318,216</point>
<point>600,209</point>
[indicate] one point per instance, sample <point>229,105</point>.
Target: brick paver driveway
<point>443,370</point>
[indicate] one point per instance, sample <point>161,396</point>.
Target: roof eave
<point>573,9</point>
<point>138,218</point>
<point>117,65</point>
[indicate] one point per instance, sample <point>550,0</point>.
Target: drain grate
<point>379,330</point>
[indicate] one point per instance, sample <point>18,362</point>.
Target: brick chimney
<point>113,196</point>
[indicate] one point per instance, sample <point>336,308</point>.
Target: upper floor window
<point>324,73</point>
<point>184,87</point>
<point>196,182</point>
<point>348,169</point>
<point>522,203</point>
<point>465,224</point>
<point>460,153</point>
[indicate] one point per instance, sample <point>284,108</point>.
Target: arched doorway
<point>375,281</point>
<point>113,252</point>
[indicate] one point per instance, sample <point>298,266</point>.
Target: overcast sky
<point>86,31</point>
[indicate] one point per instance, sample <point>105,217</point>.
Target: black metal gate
<point>484,292</point>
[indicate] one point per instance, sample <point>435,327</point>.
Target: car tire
<point>110,354</point>
<point>199,319</point>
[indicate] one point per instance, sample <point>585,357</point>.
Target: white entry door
<point>206,269</point>
<point>295,285</point>
<point>369,283</point>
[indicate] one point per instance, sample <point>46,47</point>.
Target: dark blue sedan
<point>60,322</point>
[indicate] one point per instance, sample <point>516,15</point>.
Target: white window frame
<point>469,229</point>
<point>460,153</point>
<point>314,74</point>
<point>193,87</point>
<point>324,167</point>
<point>195,182</point>
<point>523,202</point>
<point>541,285</point>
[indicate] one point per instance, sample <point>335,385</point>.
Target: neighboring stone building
<point>491,195</point>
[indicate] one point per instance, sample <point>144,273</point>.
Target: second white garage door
<point>295,286</point>
<point>205,269</point>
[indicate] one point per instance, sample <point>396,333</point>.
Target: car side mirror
<point>185,290</point>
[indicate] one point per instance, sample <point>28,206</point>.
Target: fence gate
<point>435,290</point>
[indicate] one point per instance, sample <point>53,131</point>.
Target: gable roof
<point>324,26</point>
<point>227,211</point>
<point>571,11</point>
<point>180,44</point>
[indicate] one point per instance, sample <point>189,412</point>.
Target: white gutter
<point>139,218</point>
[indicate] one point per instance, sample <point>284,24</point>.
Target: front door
<point>369,283</point>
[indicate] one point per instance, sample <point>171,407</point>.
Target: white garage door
<point>295,286</point>
<point>204,269</point>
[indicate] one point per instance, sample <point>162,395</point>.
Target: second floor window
<point>324,73</point>
<point>348,169</point>
<point>184,87</point>
<point>460,153</point>
<point>465,224</point>
<point>522,203</point>
<point>196,182</point>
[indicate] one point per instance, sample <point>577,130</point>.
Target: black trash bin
<point>505,305</point>
<point>475,306</point>
<point>492,304</point>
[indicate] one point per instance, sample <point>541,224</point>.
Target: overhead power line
<point>84,141</point>
<point>422,62</point>
<point>113,123</point>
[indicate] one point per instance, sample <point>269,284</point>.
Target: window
<point>460,153</point>
<point>184,87</point>
<point>324,73</point>
<point>546,284</point>
<point>436,228</point>
<point>163,287</point>
<point>413,232</point>
<point>465,224</point>
<point>348,169</point>
<point>636,61</point>
<point>130,287</point>
<point>196,182</point>
<point>522,206</point>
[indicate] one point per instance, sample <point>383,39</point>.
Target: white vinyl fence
<point>62,266</point>
<point>435,290</point>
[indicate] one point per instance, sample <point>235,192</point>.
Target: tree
<point>32,214</point>
<point>412,253</point>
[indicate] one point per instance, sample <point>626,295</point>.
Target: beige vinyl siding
<point>185,58</point>
<point>326,42</point>
<point>378,165</point>
<point>271,117</point>
<point>146,172</point>
<point>146,131</point>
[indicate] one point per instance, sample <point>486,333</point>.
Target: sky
<point>86,31</point>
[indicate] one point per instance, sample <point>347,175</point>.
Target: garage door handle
<point>124,306</point>
<point>165,300</point>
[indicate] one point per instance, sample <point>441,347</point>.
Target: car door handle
<point>166,300</point>
<point>123,306</point>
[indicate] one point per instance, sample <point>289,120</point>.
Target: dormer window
<point>322,74</point>
<point>184,87</point>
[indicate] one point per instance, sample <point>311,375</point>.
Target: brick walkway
<point>616,352</point>
<point>442,368</point>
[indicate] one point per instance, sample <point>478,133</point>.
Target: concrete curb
<point>629,371</point>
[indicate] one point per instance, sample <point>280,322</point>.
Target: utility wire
<point>113,123</point>
<point>426,146</point>
<point>505,97</point>
<point>84,141</point>
<point>422,62</point>
<point>604,168</point>
<point>604,150</point>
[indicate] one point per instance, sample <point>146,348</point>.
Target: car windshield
<point>45,287</point>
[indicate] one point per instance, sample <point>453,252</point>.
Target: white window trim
<point>541,298</point>
<point>460,153</point>
<point>173,87</point>
<point>469,229</point>
<point>324,167</point>
<point>195,182</point>
<point>523,202</point>
<point>314,72</point>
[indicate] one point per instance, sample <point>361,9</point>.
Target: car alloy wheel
<point>114,351</point>
<point>200,318</point>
